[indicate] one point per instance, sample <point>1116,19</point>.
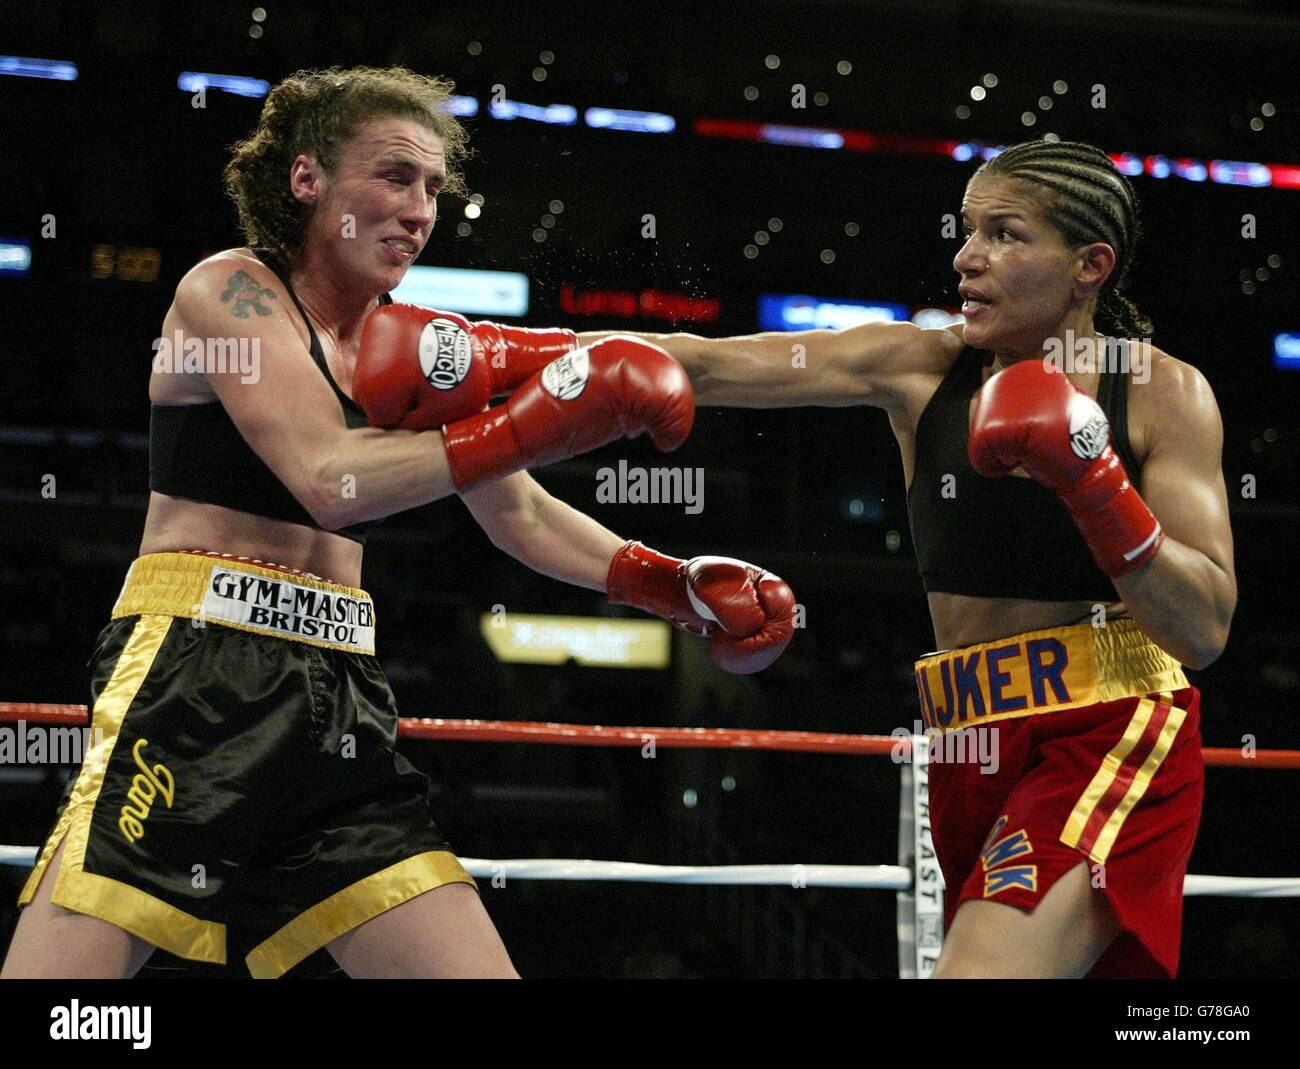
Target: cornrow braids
<point>314,113</point>
<point>1088,200</point>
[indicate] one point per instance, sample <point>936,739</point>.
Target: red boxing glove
<point>515,354</point>
<point>419,369</point>
<point>747,613</point>
<point>1033,417</point>
<point>616,388</point>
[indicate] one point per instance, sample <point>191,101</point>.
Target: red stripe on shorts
<point>1123,780</point>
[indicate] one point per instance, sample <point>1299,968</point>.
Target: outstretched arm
<point>747,613</point>
<point>863,365</point>
<point>543,532</point>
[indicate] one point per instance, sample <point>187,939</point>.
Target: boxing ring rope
<point>667,737</point>
<point>920,915</point>
<point>874,877</point>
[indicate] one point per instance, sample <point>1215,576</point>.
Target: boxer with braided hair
<point>1063,630</point>
<point>1090,200</point>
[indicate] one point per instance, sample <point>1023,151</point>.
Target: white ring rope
<point>879,877</point>
<point>882,877</point>
<point>1243,886</point>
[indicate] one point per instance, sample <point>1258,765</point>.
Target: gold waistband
<point>1041,672</point>
<point>248,597</point>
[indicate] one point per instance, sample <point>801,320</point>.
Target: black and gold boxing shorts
<point>244,772</point>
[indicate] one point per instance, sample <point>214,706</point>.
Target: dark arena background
<point>660,168</point>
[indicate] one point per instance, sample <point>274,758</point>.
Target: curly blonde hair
<point>314,113</point>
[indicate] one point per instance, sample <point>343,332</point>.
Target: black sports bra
<point>999,538</point>
<point>197,452</point>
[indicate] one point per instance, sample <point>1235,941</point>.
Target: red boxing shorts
<point>1095,746</point>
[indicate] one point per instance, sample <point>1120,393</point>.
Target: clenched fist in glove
<point>1031,416</point>
<point>616,388</point>
<point>419,369</point>
<point>747,613</point>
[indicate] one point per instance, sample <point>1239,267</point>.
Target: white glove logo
<point>1089,431</point>
<point>444,354</point>
<point>566,377</point>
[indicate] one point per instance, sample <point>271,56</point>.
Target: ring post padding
<point>927,879</point>
<point>906,897</point>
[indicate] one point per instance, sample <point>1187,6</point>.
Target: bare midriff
<point>178,525</point>
<point>960,620</point>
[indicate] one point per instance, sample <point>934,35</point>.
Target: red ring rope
<point>669,738</point>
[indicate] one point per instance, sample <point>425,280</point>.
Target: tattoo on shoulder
<point>246,293</point>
